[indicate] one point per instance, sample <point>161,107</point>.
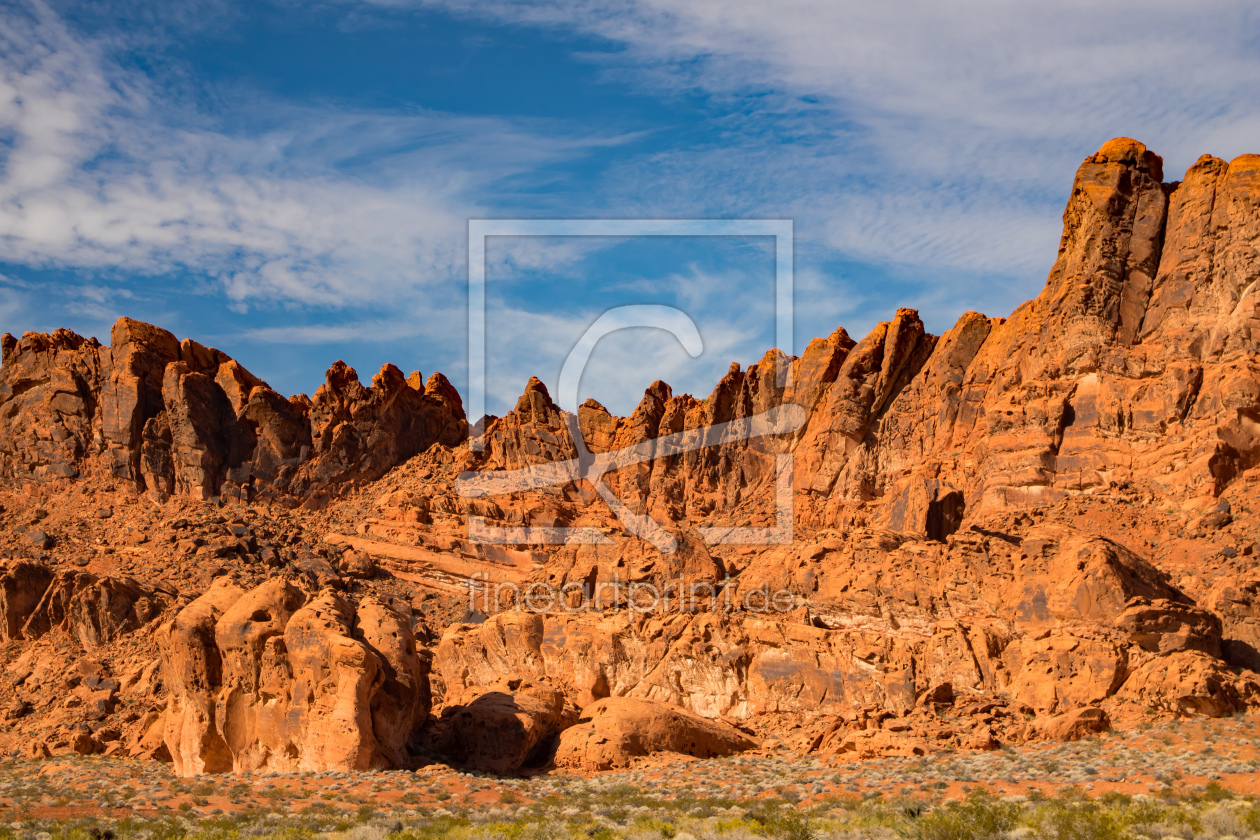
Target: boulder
<point>1191,683</point>
<point>357,565</point>
<point>880,743</point>
<point>613,731</point>
<point>319,573</point>
<point>93,610</point>
<point>37,539</point>
<point>1163,626</point>
<point>1074,725</point>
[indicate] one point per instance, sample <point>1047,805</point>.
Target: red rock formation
<point>183,419</point>
<point>1060,622</point>
<point>268,679</point>
<point>92,610</point>
<point>1036,526</point>
<point>1141,348</point>
<point>615,730</point>
<point>22,587</point>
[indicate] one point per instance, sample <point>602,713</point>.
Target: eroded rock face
<point>193,669</point>
<point>477,655</point>
<point>1076,724</point>
<point>90,609</point>
<point>94,609</point>
<point>1137,361</point>
<point>50,390</point>
<point>131,391</point>
<point>1116,369</point>
<point>1163,627</point>
<point>1238,604</point>
<point>959,541</point>
<point>1135,367</point>
<point>1140,348</point>
<point>1064,620</point>
<point>1192,683</point>
<point>358,433</point>
<point>22,587</point>
<point>178,418</point>
<point>612,731</point>
<point>272,679</point>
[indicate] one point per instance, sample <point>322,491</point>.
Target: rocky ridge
<point>1031,527</point>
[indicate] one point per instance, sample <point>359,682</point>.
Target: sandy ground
<point>1181,756</point>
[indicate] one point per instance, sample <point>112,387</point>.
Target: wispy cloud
<point>326,208</point>
<point>917,132</point>
<point>932,141</point>
<point>326,332</point>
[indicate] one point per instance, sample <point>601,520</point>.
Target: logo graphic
<point>591,467</point>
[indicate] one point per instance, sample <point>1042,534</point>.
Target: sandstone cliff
<point>1034,526</point>
<point>1136,362</point>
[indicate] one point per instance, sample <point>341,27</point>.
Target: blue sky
<point>291,181</point>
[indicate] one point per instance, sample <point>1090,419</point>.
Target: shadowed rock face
<point>90,609</point>
<point>506,726</point>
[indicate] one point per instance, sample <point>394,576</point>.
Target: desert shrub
<point>978,817</point>
<point>775,820</point>
<point>434,829</point>
<point>656,826</point>
<point>216,832</point>
<point>1147,812</point>
<point>1079,820</point>
<point>288,832</point>
<point>1216,792</point>
<point>1222,821</point>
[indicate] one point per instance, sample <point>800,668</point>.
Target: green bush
<point>781,822</point>
<point>979,817</point>
<point>665,828</point>
<point>1079,821</point>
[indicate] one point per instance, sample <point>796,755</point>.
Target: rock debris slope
<point>1029,527</point>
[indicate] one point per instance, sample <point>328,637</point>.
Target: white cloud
<point>930,133</point>
<point>328,209</point>
<point>937,136</point>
